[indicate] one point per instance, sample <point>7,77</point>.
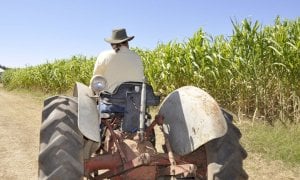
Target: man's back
<point>117,67</point>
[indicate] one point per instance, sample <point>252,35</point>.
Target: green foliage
<point>56,77</point>
<point>256,71</point>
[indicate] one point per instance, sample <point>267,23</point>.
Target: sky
<point>34,32</point>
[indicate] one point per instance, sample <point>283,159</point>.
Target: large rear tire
<point>61,142</point>
<point>225,155</point>
<point>221,158</point>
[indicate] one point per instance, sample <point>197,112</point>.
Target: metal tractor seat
<point>128,95</point>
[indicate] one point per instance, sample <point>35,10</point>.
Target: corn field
<point>255,72</point>
<point>57,77</point>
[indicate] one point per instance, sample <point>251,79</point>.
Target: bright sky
<point>33,32</point>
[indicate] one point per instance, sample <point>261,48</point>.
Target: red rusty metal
<point>199,158</point>
<point>143,159</point>
<point>184,170</point>
<point>132,159</point>
<point>136,168</point>
<point>116,140</point>
<point>158,120</point>
<point>142,173</point>
<point>167,144</point>
<point>104,161</point>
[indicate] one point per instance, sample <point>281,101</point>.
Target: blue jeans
<point>111,108</point>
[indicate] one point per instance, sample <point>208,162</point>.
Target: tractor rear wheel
<point>225,155</point>
<point>221,158</point>
<point>61,142</point>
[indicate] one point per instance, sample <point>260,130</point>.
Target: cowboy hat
<point>118,36</point>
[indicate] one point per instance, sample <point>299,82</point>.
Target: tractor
<point>99,135</point>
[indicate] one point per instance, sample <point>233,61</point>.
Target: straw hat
<point>118,36</point>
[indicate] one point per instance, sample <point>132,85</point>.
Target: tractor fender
<point>88,116</point>
<point>191,118</point>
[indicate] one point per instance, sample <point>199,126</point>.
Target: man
<point>119,64</point>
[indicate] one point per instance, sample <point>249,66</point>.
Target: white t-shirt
<point>125,65</point>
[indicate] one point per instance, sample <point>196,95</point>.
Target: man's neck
<point>123,47</point>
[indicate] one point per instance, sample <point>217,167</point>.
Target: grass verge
<point>276,142</point>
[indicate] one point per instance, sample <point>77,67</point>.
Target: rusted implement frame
<point>160,160</point>
<point>164,164</point>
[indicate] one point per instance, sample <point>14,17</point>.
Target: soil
<point>20,117</point>
<point>19,136</point>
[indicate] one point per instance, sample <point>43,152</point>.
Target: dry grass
<point>273,152</point>
<point>258,167</point>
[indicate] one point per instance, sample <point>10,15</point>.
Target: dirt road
<point>19,136</point>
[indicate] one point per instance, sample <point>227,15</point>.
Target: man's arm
<point>100,65</point>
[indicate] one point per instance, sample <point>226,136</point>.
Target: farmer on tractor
<point>119,64</point>
<point>199,139</point>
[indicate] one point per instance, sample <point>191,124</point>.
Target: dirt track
<point>19,143</point>
<point>19,136</point>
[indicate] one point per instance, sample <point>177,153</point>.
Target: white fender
<point>88,116</point>
<point>192,118</point>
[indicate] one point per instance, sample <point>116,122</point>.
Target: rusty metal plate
<point>192,118</point>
